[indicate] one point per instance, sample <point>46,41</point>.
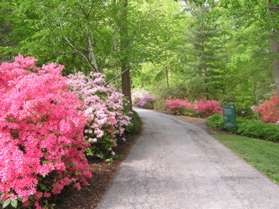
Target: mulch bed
<point>103,173</point>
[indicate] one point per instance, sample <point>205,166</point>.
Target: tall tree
<point>124,51</point>
<point>206,55</point>
<point>274,13</point>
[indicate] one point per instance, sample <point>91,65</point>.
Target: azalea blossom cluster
<point>104,108</point>
<point>206,108</point>
<point>41,133</point>
<point>269,110</point>
<point>143,99</point>
<point>177,106</point>
<point>202,108</point>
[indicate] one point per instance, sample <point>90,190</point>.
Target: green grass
<point>263,155</point>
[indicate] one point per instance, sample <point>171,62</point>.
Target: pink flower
<point>143,100</point>
<point>269,110</point>
<point>202,108</point>
<point>41,131</point>
<point>103,106</point>
<point>176,105</point>
<point>208,107</point>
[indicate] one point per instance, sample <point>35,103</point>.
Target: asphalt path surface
<point>176,165</point>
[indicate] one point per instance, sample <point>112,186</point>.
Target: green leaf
<point>6,203</point>
<point>14,203</point>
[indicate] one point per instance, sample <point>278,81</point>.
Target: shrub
<point>134,126</point>
<point>104,108</point>
<point>159,104</point>
<point>258,129</point>
<point>269,110</point>
<point>249,128</point>
<point>179,106</point>
<point>202,108</point>
<point>206,108</point>
<point>215,121</point>
<point>143,99</point>
<point>41,134</point>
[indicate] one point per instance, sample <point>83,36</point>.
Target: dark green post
<point>229,117</point>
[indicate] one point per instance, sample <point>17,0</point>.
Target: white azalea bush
<point>104,108</point>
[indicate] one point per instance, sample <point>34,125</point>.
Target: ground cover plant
<point>248,127</point>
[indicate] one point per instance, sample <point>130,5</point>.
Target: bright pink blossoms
<point>178,105</point>
<point>269,110</point>
<point>202,108</point>
<point>41,132</point>
<point>206,108</point>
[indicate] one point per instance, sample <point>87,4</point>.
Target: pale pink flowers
<point>103,106</point>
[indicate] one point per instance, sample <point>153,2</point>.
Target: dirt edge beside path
<point>103,173</point>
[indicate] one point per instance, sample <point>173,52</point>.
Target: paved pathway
<point>175,165</point>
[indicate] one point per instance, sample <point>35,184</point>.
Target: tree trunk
<point>275,62</point>
<point>274,9</point>
<point>124,52</point>
<point>91,54</point>
<point>167,78</point>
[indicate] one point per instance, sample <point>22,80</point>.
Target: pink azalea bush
<point>269,110</point>
<point>41,134</point>
<point>178,106</point>
<point>104,108</point>
<point>207,108</point>
<point>202,108</point>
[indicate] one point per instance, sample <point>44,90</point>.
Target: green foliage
<point>263,155</point>
<point>205,49</point>
<point>215,121</point>
<point>159,104</point>
<point>103,148</point>
<point>248,127</point>
<point>177,91</point>
<point>135,126</point>
<point>258,129</point>
<point>222,53</point>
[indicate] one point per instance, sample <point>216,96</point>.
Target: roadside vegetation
<point>53,128</point>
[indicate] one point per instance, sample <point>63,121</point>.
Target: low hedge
<point>247,127</point>
<point>215,121</point>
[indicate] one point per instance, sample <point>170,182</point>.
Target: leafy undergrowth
<point>103,173</point>
<point>263,155</point>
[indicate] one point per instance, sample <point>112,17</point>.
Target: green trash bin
<point>229,117</point>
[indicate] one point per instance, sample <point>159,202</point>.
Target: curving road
<point>175,165</point>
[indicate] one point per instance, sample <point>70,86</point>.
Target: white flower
<point>92,140</point>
